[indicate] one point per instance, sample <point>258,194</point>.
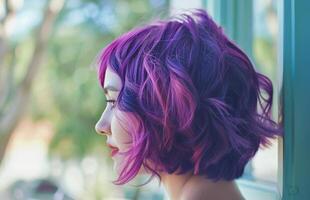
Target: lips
<point>114,150</point>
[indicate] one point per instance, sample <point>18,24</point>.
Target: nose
<point>103,126</point>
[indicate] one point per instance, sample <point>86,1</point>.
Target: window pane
<point>265,54</point>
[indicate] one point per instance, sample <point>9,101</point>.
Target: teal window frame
<point>296,99</point>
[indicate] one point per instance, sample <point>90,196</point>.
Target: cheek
<point>122,138</point>
<point>119,134</point>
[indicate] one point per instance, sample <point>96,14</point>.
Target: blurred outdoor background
<point>50,98</point>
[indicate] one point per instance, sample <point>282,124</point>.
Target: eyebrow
<point>109,87</point>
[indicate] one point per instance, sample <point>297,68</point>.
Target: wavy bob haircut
<point>192,98</point>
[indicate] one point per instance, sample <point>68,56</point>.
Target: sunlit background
<point>50,99</point>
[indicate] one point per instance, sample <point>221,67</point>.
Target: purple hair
<point>192,98</point>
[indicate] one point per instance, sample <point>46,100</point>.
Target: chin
<point>116,165</point>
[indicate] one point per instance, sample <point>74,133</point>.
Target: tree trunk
<point>13,106</point>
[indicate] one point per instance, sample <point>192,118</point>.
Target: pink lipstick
<point>114,150</point>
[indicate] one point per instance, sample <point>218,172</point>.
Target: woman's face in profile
<point>108,123</point>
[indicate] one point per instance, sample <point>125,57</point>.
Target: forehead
<point>112,81</point>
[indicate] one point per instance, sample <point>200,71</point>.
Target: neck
<point>174,184</point>
<point>179,186</point>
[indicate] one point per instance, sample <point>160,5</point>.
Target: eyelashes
<point>111,101</point>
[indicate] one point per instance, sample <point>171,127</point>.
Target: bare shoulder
<point>224,191</point>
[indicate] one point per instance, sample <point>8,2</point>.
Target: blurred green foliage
<point>66,90</point>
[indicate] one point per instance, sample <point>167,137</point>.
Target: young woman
<point>185,105</point>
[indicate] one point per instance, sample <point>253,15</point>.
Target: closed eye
<point>111,101</point>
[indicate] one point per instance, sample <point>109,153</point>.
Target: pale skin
<point>178,187</point>
<point>194,187</point>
